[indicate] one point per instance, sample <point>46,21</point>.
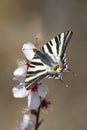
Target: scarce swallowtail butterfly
<point>49,61</point>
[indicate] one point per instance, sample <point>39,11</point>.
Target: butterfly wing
<point>49,55</point>
<point>36,71</point>
<point>56,47</point>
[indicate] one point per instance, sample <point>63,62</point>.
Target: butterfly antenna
<point>75,74</point>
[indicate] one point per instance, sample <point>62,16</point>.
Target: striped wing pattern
<point>37,71</point>
<point>56,47</point>
<point>52,51</point>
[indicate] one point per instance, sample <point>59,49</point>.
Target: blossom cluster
<point>36,95</point>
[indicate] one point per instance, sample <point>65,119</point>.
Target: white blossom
<point>27,123</point>
<point>19,74</point>
<point>21,79</point>
<point>42,90</point>
<point>28,50</point>
<point>22,68</point>
<point>35,94</point>
<point>20,71</point>
<point>33,100</point>
<point>20,91</point>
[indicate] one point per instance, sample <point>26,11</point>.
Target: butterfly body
<point>53,68</point>
<point>50,61</point>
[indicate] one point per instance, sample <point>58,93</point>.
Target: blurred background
<point>22,21</point>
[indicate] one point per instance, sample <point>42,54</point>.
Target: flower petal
<point>26,124</point>
<point>20,91</point>
<point>42,91</point>
<point>19,78</point>
<point>28,50</point>
<point>33,100</point>
<point>20,71</point>
<point>22,62</point>
<point>26,118</point>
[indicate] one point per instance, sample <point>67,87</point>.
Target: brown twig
<point>37,118</point>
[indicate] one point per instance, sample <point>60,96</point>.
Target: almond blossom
<point>35,95</point>
<point>19,74</point>
<point>26,124</point>
<point>28,50</point>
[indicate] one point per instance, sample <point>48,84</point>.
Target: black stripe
<point>36,57</point>
<point>35,72</point>
<point>30,83</point>
<point>43,49</point>
<point>59,37</point>
<point>27,86</point>
<point>49,48</point>
<point>31,66</point>
<point>62,59</point>
<point>65,36</point>
<point>57,45</point>
<point>51,43</point>
<point>56,40</point>
<point>37,63</point>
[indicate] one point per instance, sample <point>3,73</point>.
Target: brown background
<point>21,21</point>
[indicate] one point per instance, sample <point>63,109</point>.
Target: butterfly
<point>49,61</point>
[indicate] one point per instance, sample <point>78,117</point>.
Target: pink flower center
<point>34,88</point>
<point>27,65</point>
